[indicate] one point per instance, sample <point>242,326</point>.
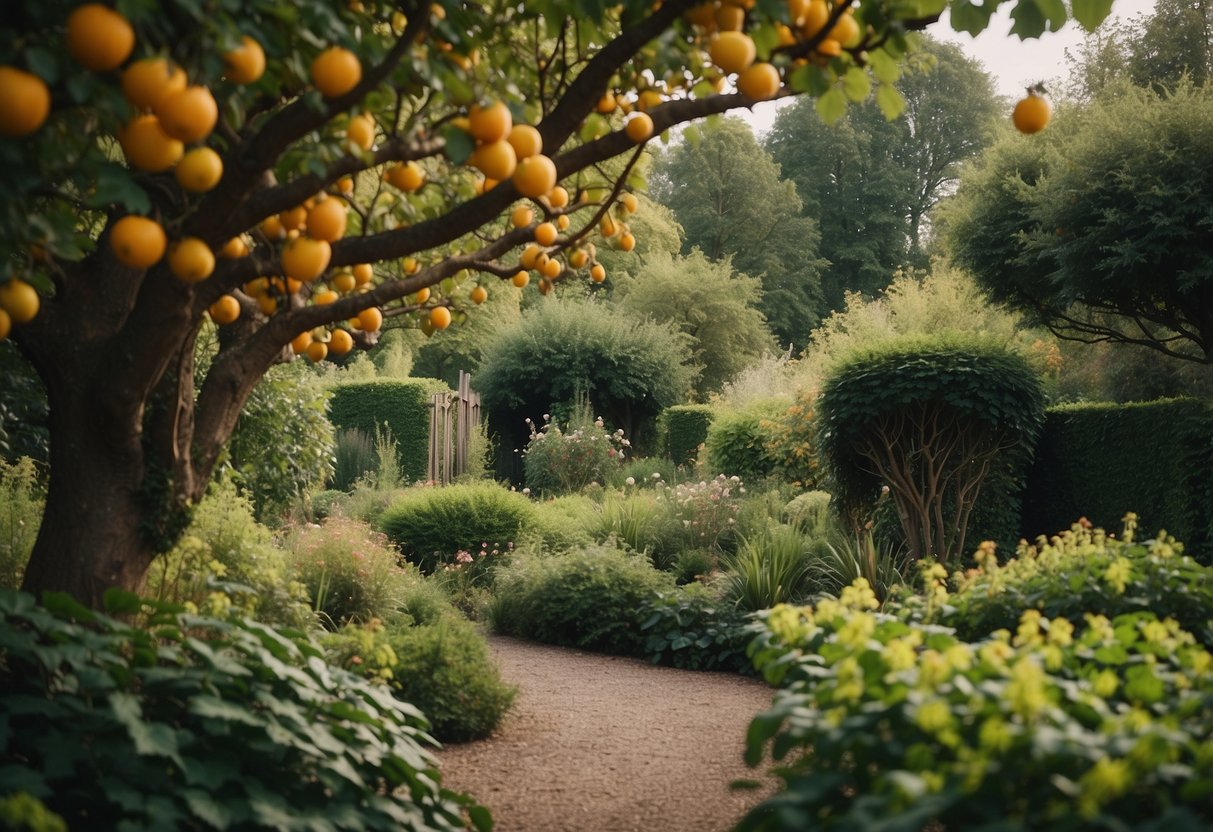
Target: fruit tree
<point>320,163</point>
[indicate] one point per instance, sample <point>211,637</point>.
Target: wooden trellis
<point>453,419</point>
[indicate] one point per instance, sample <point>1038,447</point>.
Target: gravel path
<point>600,743</point>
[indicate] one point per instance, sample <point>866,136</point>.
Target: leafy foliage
<point>772,567</point>
<point>558,462</point>
<point>692,629</point>
<point>809,512</point>
<point>738,441</point>
<point>21,502</point>
<point>402,405</point>
<point>683,428</point>
<point>24,431</point>
<point>197,721</point>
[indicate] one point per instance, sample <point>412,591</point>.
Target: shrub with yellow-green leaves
<point>881,723</point>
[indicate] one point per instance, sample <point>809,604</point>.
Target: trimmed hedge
<point>739,442</point>
<point>682,429</point>
<point>1103,460</point>
<point>403,405</point>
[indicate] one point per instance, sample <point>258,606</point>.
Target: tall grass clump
<point>355,458</point>
<point>773,567</point>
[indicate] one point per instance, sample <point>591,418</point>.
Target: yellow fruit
<point>305,259</point>
<point>272,228</point>
<point>408,177</point>
<point>25,102</point>
<point>361,131</point>
<point>490,124</point>
<point>370,319</point>
<point>846,31</point>
<point>344,282</point>
<point>830,48</point>
<point>6,324</point>
<point>246,63</point>
<point>199,170</point>
<point>703,16</point>
<point>730,18</point>
<point>440,317</point>
<point>267,305</point>
<point>324,297</point>
<point>535,177</point>
<point>20,300</point>
<point>301,342</point>
<point>479,295</point>
<point>816,16</point>
<point>562,222</point>
<point>529,256</point>
<point>648,99</point>
<point>606,104</point>
<point>147,147</point>
<point>1032,113</point>
<point>225,310</point>
<point>760,82</point>
<point>552,268</point>
<point>410,265</point>
<point>98,37</point>
<point>578,258</point>
<point>629,202</point>
<point>326,221</point>
<point>525,140</point>
<point>421,295</point>
<point>597,273</point>
<point>797,10</point>
<point>336,71</point>
<point>608,227</point>
<point>191,260</point>
<point>363,273</point>
<point>496,160</point>
<point>626,241</point>
<point>545,234</point>
<point>138,242</point>
<point>522,217</point>
<point>340,342</point>
<point>294,219</point>
<point>521,279</point>
<point>639,127</point>
<point>317,351</point>
<point>732,51</point>
<point>558,197</point>
<point>188,115</point>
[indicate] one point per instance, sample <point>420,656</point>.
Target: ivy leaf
<point>1090,13</point>
<point>832,106</point>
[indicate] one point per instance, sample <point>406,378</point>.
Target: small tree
<point>931,418</point>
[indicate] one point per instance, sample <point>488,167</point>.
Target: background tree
<point>1101,228</point>
<point>291,112</point>
<point>727,195</point>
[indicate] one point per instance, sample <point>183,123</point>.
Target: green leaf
<point>856,84</point>
<point>811,79</point>
<point>832,106</point>
<point>1054,11</point>
<point>890,101</point>
<point>481,818</point>
<point>121,602</point>
<point>1090,13</point>
<point>970,18</point>
<point>885,67</point>
<point>65,606</point>
<point>1029,20</point>
<point>116,187</point>
<point>459,145</point>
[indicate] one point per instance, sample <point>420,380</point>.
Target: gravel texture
<point>599,743</point>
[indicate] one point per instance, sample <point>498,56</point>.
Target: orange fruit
<point>98,37</point>
<point>305,259</point>
<point>138,242</point>
<point>629,202</point>
<point>272,228</point>
<point>525,140</point>
<point>267,305</point>
<point>346,185</point>
<point>363,273</point>
<point>147,147</point>
<point>340,342</point>
<point>490,124</point>
<point>246,63</point>
<point>815,17</point>
<point>479,295</point>
<point>361,131</point>
<point>578,258</point>
<point>1032,113</point>
<point>639,127</point>
<point>440,317</point>
<point>608,227</point>
<point>597,273</point>
<point>146,80</point>
<point>535,176</point>
<point>6,324</point>
<point>732,51</point>
<point>410,265</point>
<point>343,282</point>
<point>529,256</point>
<point>521,279</point>
<point>496,160</point>
<point>294,219</point>
<point>421,295</point>
<point>324,297</point>
<point>188,115</point>
<point>326,221</point>
<point>370,319</point>
<point>606,104</point>
<point>225,310</point>
<point>558,197</point>
<point>760,82</point>
<point>20,300</point>
<point>522,217</point>
<point>730,18</point>
<point>545,233</point>
<point>545,286</point>
<point>25,102</point>
<point>626,241</point>
<point>408,177</point>
<point>562,222</point>
<point>199,170</point>
<point>830,48</point>
<point>846,31</point>
<point>552,268</point>
<point>234,248</point>
<point>797,9</point>
<point>191,260</point>
<point>336,71</point>
<point>317,351</point>
<point>300,342</point>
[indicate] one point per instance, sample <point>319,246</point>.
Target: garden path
<point>600,743</point>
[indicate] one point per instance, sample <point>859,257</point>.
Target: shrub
<point>929,418</point>
<point>564,522</point>
<point>1103,460</point>
<point>809,512</point>
<point>791,442</point>
<point>21,503</point>
<point>355,458</point>
<point>693,565</point>
<point>909,726</point>
<point>402,405</point>
<point>587,599</point>
<point>738,441</point>
<point>641,521</point>
<point>328,503</point>
<point>350,572</point>
<point>558,462</point>
<point>639,473</point>
<point>843,557</point>
<point>771,568</point>
<point>429,525</point>
<point>704,513</point>
<point>693,629</point>
<point>199,722</point>
<point>682,429</point>
<point>443,668</point>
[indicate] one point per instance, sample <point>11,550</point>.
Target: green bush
<point>443,668</point>
<point>402,405</point>
<point>1103,460</point>
<point>640,471</point>
<point>587,599</point>
<point>809,512</point>
<point>693,629</point>
<point>355,458</point>
<point>558,462</point>
<point>639,520</point>
<point>564,522</point>
<point>350,571</point>
<point>327,503</point>
<point>738,441</point>
<point>196,722</point>
<point>21,504</point>
<point>429,525</point>
<point>906,726</point>
<point>682,429</point>
<point>771,568</point>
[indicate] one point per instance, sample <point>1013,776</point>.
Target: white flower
<point>656,475</point>
<point>734,478</point>
<point>630,480</point>
<point>526,491</point>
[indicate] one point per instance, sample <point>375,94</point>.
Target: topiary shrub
<point>738,441</point>
<point>197,722</point>
<point>402,405</point>
<point>430,525</point>
<point>682,429</point>
<point>930,418</point>
<point>587,599</point>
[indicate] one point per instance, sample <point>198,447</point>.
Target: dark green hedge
<point>403,405</point>
<point>682,429</point>
<point>1100,461</point>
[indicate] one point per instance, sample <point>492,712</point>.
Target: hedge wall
<point>403,405</point>
<point>682,429</point>
<point>1100,461</point>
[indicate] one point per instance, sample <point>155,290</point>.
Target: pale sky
<point>1014,63</point>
